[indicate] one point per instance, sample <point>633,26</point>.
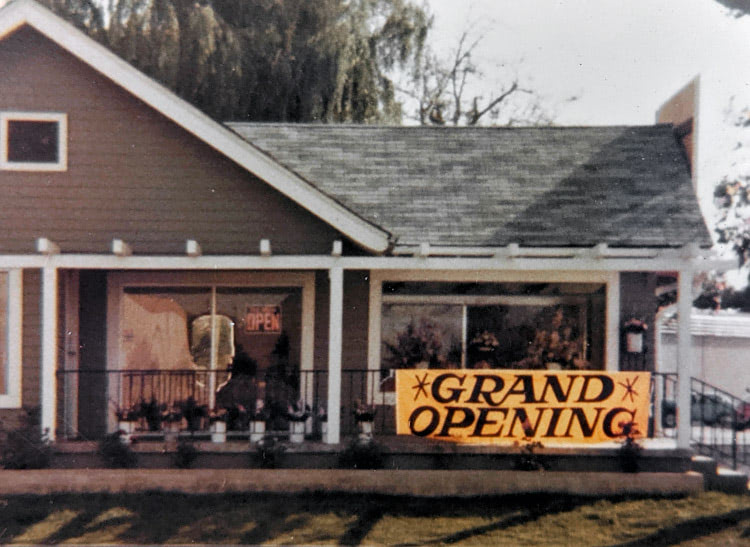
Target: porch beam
<point>335,325</point>
<point>48,383</point>
<point>522,262</point>
<point>684,357</point>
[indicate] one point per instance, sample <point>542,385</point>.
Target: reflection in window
<point>477,325</point>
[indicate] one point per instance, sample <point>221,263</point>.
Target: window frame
<point>377,298</point>
<point>62,141</point>
<point>13,334</point>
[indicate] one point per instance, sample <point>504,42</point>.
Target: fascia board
<point>192,120</point>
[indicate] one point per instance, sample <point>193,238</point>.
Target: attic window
<point>31,141</point>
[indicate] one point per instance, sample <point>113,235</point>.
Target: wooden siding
<point>132,174</point>
<point>355,328</point>
<point>32,322</point>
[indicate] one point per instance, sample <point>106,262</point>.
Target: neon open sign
<point>263,320</point>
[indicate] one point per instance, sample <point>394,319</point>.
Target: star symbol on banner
<point>629,389</point>
<point>421,386</point>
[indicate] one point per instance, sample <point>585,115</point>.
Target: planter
<point>127,429</point>
<point>323,430</point>
<point>365,431</point>
<point>257,431</point>
<point>634,342</point>
<point>219,432</point>
<point>171,431</point>
<point>296,432</point>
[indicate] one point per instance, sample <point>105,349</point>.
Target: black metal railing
<point>88,400</point>
<point>719,420</point>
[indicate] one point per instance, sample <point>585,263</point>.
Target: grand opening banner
<point>505,406</point>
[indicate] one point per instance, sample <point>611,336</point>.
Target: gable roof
<point>574,186</point>
<point>27,12</point>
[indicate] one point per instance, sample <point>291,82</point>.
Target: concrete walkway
<point>432,483</point>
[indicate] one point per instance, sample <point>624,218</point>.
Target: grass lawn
<point>708,518</point>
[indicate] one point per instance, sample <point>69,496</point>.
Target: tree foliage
<point>265,60</point>
<point>453,90</point>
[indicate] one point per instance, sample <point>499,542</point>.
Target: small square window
<point>33,141</point>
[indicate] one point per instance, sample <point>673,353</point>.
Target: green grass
<point>705,519</point>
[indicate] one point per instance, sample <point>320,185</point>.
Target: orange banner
<point>504,406</point>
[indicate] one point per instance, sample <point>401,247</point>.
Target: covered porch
<point>333,377</point>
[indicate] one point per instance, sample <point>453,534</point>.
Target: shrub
<point>268,454</point>
<point>630,449</point>
<point>27,447</point>
<point>362,455</point>
<point>115,453</point>
<point>186,454</point>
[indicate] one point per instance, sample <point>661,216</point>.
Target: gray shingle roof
<point>573,186</point>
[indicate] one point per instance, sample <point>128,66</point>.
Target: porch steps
<point>720,478</point>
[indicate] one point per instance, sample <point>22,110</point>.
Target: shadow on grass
<point>159,517</point>
<point>694,529</point>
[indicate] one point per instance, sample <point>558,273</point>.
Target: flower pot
<point>127,429</point>
<point>257,430</point>
<point>171,431</point>
<point>218,432</point>
<point>365,431</point>
<point>296,432</point>
<point>634,342</point>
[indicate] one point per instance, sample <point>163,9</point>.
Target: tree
<point>737,8</point>
<point>444,91</point>
<point>265,60</point>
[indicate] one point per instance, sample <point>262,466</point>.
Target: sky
<point>621,59</point>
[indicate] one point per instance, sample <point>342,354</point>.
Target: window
<point>490,325</point>
<point>33,141</point>
<point>10,339</point>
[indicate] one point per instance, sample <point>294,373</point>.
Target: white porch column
<point>336,307</point>
<point>684,357</point>
<point>612,355</point>
<point>49,351</point>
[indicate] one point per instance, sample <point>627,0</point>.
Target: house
<point>142,243</point>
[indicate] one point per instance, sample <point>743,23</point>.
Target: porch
<point>158,408</point>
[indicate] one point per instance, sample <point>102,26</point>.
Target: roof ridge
<point>442,127</point>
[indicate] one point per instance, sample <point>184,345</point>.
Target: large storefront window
<point>554,326</point>
<point>203,341</point>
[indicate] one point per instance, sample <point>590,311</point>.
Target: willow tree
<point>266,60</point>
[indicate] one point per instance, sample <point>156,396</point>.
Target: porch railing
<point>88,399</point>
<point>720,421</point>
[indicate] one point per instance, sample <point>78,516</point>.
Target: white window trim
<point>62,141</point>
<point>378,277</point>
<point>14,338</point>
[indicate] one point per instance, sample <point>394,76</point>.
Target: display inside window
<point>33,142</point>
<point>492,326</point>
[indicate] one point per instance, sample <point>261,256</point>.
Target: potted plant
<point>297,414</point>
<point>364,415</point>
<point>193,414</point>
<point>257,420</point>
<point>127,422</point>
<point>323,420</point>
<point>218,423</point>
<point>152,411</point>
<point>633,330</point>
<point>172,423</point>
